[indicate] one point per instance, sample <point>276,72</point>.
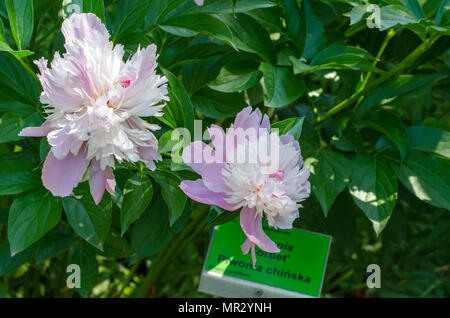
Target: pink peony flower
<point>272,188</point>
<point>199,2</point>
<point>94,104</point>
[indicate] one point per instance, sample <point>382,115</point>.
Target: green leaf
<point>195,53</point>
<point>152,231</point>
<point>427,177</point>
<point>171,193</point>
<point>17,176</point>
<point>196,75</point>
<point>250,36</point>
<point>220,6</point>
<point>52,245</point>
<point>191,25</point>
<point>6,48</point>
<point>224,217</point>
<point>2,31</point>
<point>9,263</point>
<point>336,57</point>
<point>373,186</point>
<point>401,85</point>
<point>44,149</point>
<point>137,195</point>
<point>295,24</point>
<point>16,84</point>
<point>96,7</point>
<point>391,125</point>
<point>393,15</point>
<point>314,31</point>
<point>179,111</point>
<point>411,5</point>
<point>443,14</point>
<point>236,76</point>
<point>430,140</point>
<point>357,13</point>
<point>12,122</point>
<point>83,255</point>
<point>88,220</point>
<point>21,20</point>
<point>291,126</point>
<point>116,246</point>
<point>330,172</point>
<point>282,86</point>
<point>215,104</point>
<point>30,217</point>
<point>130,16</point>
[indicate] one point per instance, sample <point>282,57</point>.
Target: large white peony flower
<point>95,102</point>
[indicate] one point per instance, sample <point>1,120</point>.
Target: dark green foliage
<point>368,105</point>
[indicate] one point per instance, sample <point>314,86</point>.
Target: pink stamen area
<point>278,175</point>
<point>125,83</point>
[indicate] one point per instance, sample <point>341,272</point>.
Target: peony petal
<point>81,27</point>
<point>265,122</point>
<point>61,176</point>
<point>197,191</point>
<point>246,119</point>
<point>246,247</point>
<point>213,178</point>
<point>286,140</point>
<point>193,155</point>
<point>251,223</point>
<point>41,131</point>
<point>283,223</point>
<point>199,2</point>
<point>149,154</point>
<point>217,135</point>
<point>147,89</point>
<point>110,181</point>
<point>97,181</point>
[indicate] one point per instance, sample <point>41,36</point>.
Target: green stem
<point>384,77</point>
<point>388,37</point>
<point>171,250</point>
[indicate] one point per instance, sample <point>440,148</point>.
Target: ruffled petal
<point>84,26</point>
<point>247,119</point>
<point>62,176</point>
<point>41,131</point>
<point>197,191</point>
<point>246,247</point>
<point>97,181</point>
<point>213,178</point>
<point>284,222</point>
<point>144,92</point>
<point>149,155</point>
<point>110,181</point>
<point>193,155</point>
<point>289,139</point>
<point>251,223</point>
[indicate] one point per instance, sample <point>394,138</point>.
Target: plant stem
<point>27,67</point>
<point>384,77</point>
<point>171,250</point>
<point>128,278</point>
<point>388,37</point>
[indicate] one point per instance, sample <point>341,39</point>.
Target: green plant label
<point>298,267</point>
